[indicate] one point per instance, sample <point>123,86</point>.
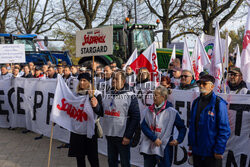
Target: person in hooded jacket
<point>158,127</point>
<point>80,145</point>
<point>209,128</point>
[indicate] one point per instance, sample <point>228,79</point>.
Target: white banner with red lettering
<point>73,113</point>
<point>28,102</point>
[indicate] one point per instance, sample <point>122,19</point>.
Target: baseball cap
<point>206,78</point>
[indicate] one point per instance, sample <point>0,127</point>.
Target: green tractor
<point>126,39</point>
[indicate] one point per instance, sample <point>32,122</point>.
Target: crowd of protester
<point>160,117</point>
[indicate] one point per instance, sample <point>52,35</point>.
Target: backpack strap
<point>217,103</point>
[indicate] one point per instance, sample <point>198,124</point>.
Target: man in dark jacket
<point>121,118</point>
<point>52,72</point>
<point>27,73</point>
<point>209,127</point>
<point>187,81</point>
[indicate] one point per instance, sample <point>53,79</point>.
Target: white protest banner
<point>74,113</point>
<point>36,98</point>
<point>35,101</point>
<point>93,42</point>
<point>5,108</point>
<point>12,53</point>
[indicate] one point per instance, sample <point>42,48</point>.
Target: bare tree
<point>171,12</point>
<point>221,11</point>
<point>5,8</point>
<point>88,12</point>
<point>35,16</point>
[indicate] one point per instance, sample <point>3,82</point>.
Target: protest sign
<point>12,53</point>
<point>93,42</point>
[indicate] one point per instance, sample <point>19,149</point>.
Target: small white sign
<point>94,42</point>
<point>12,53</point>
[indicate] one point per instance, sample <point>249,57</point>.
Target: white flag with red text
<point>73,113</point>
<point>131,59</point>
<point>199,58</point>
<point>148,59</point>
<point>186,60</point>
<point>216,68</point>
<point>245,55</point>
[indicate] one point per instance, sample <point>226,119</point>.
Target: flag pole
<point>93,74</point>
<point>50,144</point>
<point>225,59</point>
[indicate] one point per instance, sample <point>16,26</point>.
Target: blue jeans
<point>115,148</point>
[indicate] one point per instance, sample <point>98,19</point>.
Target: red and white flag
<point>238,60</point>
<point>216,68</point>
<point>245,55</point>
<point>73,113</point>
<point>131,59</point>
<point>186,60</point>
<point>147,59</point>
<point>199,58</point>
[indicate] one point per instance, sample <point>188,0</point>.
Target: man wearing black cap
<point>209,127</point>
<point>236,85</point>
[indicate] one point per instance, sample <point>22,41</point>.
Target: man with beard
<point>236,85</point>
<point>209,128</point>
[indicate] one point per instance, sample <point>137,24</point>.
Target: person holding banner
<point>80,145</point>
<point>236,85</point>
<point>121,118</point>
<point>158,127</point>
<point>209,128</point>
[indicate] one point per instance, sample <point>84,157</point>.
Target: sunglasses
<point>204,83</point>
<point>185,76</point>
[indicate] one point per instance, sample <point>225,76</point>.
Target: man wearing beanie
<point>209,127</point>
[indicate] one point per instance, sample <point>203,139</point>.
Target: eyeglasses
<point>233,75</point>
<point>185,76</point>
